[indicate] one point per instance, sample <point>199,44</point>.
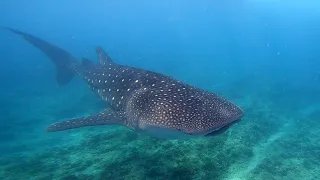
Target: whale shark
<point>141,100</point>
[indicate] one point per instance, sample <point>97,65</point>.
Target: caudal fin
<point>61,58</point>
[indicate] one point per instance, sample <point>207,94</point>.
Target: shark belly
<point>164,133</point>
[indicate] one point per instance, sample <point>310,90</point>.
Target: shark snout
<point>236,114</point>
<point>226,117</point>
<point>231,113</point>
<point>230,119</point>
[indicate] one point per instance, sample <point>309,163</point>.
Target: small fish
<point>142,100</point>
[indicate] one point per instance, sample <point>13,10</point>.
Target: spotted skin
<point>146,101</point>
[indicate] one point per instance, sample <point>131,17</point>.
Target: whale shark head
<point>173,110</point>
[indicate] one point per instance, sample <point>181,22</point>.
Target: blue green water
<point>263,55</point>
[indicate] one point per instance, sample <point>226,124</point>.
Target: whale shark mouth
<point>221,129</point>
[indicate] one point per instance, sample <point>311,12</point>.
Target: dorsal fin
<point>103,57</point>
<point>87,63</point>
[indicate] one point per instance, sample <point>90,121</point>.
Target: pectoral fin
<point>106,117</point>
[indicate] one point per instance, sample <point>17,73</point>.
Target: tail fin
<point>61,58</point>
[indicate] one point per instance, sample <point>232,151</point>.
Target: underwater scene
<point>159,90</point>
